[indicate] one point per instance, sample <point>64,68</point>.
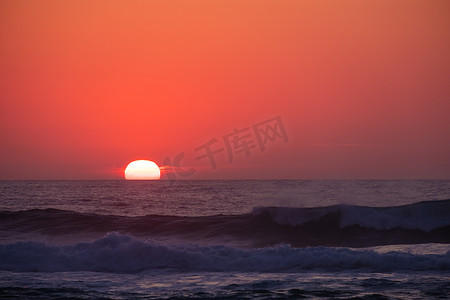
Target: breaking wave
<point>339,225</point>
<point>119,253</point>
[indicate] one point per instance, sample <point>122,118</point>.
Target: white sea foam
<point>424,216</point>
<point>125,254</point>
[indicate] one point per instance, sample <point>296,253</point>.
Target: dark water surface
<point>225,239</point>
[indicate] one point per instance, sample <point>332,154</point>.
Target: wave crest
<point>339,225</point>
<point>126,254</point>
<point>425,216</point>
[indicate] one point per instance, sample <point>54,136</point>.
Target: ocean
<point>249,239</point>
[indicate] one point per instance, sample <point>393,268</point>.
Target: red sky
<point>362,87</point>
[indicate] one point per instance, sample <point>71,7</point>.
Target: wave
<point>338,225</point>
<point>125,254</point>
<point>426,216</point>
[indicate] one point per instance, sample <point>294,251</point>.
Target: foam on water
<point>125,254</point>
<point>338,225</point>
<point>201,239</point>
<point>424,216</point>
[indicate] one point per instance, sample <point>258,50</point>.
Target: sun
<point>142,170</point>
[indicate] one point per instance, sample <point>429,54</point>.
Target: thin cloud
<point>353,145</point>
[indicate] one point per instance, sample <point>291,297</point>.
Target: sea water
<point>225,239</point>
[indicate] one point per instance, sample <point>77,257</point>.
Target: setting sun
<point>142,170</point>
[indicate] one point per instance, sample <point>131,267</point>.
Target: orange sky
<point>362,87</point>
